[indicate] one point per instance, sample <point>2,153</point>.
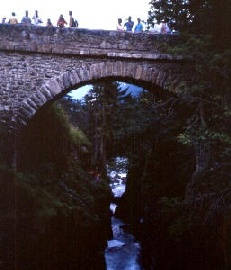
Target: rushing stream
<point>122,252</point>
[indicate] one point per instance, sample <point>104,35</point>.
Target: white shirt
<point>36,20</point>
<point>119,27</point>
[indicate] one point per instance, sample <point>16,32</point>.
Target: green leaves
<point>198,17</point>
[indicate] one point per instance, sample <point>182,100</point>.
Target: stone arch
<point>88,73</point>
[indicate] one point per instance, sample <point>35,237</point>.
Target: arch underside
<point>58,86</point>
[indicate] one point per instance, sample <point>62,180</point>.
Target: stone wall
<point>40,64</point>
<point>82,41</point>
<point>42,78</point>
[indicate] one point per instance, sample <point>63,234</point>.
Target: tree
<point>195,16</point>
<point>101,106</point>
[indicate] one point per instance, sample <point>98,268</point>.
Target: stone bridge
<point>40,64</point>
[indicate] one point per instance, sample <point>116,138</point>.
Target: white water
<point>122,251</point>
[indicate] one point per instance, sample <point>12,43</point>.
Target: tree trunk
<point>202,158</point>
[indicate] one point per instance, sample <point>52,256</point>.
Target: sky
<point>92,14</point>
<point>82,91</point>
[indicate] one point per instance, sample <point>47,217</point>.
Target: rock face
<point>40,64</point>
<point>178,231</point>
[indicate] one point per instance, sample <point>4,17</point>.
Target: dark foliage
<point>55,215</point>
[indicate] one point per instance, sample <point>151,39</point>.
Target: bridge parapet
<point>76,41</point>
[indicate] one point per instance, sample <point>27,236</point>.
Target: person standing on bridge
<point>73,22</point>
<point>139,26</point>
<point>36,19</point>
<point>49,23</point>
<point>129,24</point>
<point>61,22</point>
<point>119,25</point>
<point>26,20</point>
<point>13,19</point>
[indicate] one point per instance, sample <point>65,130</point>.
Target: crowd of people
<point>36,20</point>
<point>139,27</point>
<point>128,26</point>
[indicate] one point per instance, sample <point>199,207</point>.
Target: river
<point>122,252</point>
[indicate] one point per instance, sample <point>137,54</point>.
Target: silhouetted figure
<point>61,22</point>
<point>36,19</point>
<point>163,29</point>
<point>3,20</point>
<point>26,20</point>
<point>139,26</point>
<point>129,24</point>
<point>73,22</point>
<point>13,19</point>
<point>119,25</point>
<point>49,23</point>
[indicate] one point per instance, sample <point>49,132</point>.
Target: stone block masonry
<point>40,64</point>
